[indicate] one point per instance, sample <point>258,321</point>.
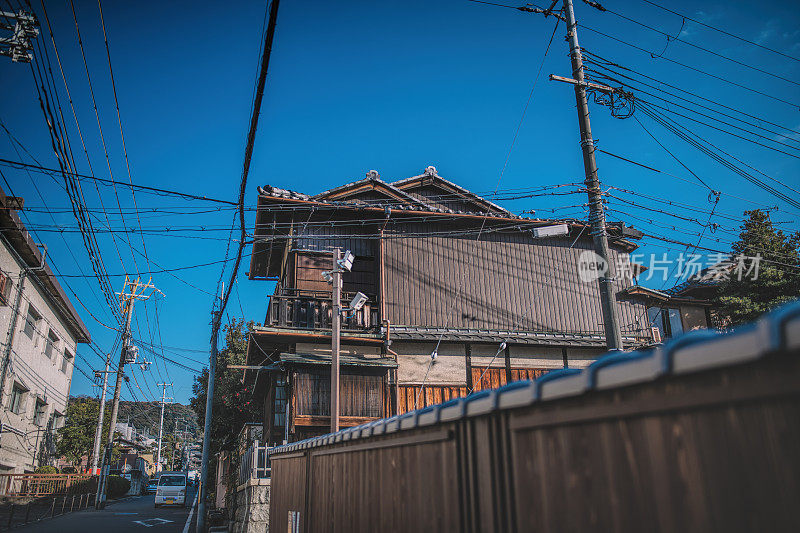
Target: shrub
<point>117,486</point>
<point>46,469</point>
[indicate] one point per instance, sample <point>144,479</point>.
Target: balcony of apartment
<point>313,310</point>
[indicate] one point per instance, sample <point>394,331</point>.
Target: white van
<point>171,489</point>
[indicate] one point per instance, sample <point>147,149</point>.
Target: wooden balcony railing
<point>313,310</point>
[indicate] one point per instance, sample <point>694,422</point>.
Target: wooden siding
<point>503,281</point>
<point>433,394</point>
<point>309,266</point>
<point>497,377</point>
<point>359,395</point>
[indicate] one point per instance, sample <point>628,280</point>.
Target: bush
<point>46,469</point>
<point>117,486</point>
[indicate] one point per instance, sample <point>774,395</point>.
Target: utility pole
<point>98,434</point>
<point>336,326</point>
<point>137,293</point>
<point>161,421</point>
<point>597,217</point>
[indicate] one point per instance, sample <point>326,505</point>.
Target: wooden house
<point>445,271</point>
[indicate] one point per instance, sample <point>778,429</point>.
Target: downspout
<point>384,320</point>
<point>12,329</point>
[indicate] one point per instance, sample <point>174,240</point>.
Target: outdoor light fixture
<point>358,301</point>
<point>327,275</point>
<point>346,262</point>
<point>551,231</point>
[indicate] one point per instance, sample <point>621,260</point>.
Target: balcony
<point>302,309</point>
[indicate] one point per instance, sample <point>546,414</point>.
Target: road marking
<point>120,514</point>
<point>152,522</point>
<point>191,513</point>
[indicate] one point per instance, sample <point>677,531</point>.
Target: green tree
<point>743,300</point>
<point>76,438</point>
<point>234,403</point>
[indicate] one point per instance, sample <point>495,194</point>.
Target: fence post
<point>27,512</point>
<point>11,515</point>
<point>254,470</point>
<point>72,503</point>
<point>63,504</point>
<point>53,508</point>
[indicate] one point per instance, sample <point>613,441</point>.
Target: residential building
<point>462,295</point>
<point>39,332</point>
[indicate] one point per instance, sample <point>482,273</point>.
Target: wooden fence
<point>36,485</point>
<point>698,435</point>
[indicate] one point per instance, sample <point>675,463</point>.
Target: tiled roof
<point>696,351</point>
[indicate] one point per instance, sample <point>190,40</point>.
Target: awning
<point>344,360</point>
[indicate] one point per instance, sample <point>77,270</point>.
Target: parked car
<point>171,489</point>
<point>152,484</point>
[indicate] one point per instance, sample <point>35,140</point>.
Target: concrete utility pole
<point>98,434</point>
<point>597,217</point>
<point>336,326</point>
<point>161,420</point>
<point>137,293</point>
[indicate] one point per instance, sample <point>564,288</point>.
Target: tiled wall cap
<point>744,344</point>
<point>452,410</point>
<point>337,437</point>
<point>408,420</point>
<point>611,359</point>
<point>428,416</point>
<point>380,427</point>
<point>566,385</point>
<point>791,334</point>
<point>777,321</point>
<point>551,376</point>
<point>481,403</point>
<point>392,424</point>
<point>698,336</point>
<point>517,394</point>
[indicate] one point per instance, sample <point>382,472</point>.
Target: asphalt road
<point>131,515</point>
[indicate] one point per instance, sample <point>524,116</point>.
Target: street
<point>135,514</point>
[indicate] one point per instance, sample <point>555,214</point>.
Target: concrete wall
<point>251,511</point>
<point>31,368</point>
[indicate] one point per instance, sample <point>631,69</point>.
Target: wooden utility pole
<point>597,217</point>
<point>137,290</point>
<point>336,326</point>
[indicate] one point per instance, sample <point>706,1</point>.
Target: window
<point>667,320</point>
<point>51,344</point>
<point>65,362</point>
<point>31,322</point>
<point>17,399</point>
<point>40,413</point>
<point>5,288</point>
<point>675,325</point>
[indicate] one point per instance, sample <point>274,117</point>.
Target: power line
<point>720,30</point>
<point>166,192</point>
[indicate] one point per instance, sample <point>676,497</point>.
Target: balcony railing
<point>313,310</point>
<point>254,463</point>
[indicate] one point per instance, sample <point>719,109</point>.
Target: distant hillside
<point>144,417</point>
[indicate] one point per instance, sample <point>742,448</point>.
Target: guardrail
<point>254,463</point>
<point>35,485</point>
<point>697,435</point>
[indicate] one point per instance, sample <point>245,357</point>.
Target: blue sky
<point>353,86</point>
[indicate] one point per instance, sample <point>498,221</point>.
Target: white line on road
<point>191,513</point>
<point>150,522</point>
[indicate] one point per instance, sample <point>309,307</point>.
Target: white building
<point>39,331</point>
